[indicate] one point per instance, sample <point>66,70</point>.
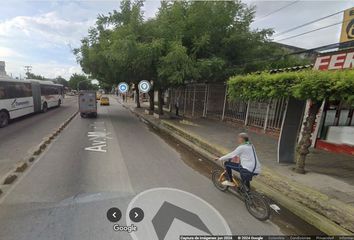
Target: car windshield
<point>177,120</point>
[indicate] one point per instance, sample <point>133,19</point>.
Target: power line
<point>314,30</point>
<point>308,51</point>
<point>277,10</point>
<point>308,23</point>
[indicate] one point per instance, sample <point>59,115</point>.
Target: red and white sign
<point>336,61</point>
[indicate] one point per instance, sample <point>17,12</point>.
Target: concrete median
<point>22,166</point>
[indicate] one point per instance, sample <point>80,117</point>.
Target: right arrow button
<point>136,214</point>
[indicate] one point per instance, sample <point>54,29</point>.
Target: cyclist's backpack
<point>247,175</point>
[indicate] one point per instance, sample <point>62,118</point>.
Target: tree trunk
<point>305,141</point>
<point>137,97</point>
<point>152,99</point>
<point>160,101</point>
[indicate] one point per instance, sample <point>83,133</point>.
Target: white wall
<point>341,135</point>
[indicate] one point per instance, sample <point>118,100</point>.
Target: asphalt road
<point>24,134</point>
<point>96,164</point>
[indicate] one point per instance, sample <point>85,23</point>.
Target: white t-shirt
<point>246,155</point>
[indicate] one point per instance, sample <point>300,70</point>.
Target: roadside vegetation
<point>314,86</point>
<point>187,41</point>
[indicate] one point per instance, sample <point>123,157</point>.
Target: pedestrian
<point>177,105</point>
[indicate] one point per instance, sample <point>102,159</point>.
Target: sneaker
<point>228,183</point>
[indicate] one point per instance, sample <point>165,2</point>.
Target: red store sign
<point>336,61</point>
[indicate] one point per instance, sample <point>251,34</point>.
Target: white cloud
<point>49,70</point>
<point>8,53</point>
<point>41,38</point>
<point>48,27</point>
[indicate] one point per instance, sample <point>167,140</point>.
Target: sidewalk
<point>324,196</point>
<point>329,173</point>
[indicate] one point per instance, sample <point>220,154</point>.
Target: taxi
<point>104,101</point>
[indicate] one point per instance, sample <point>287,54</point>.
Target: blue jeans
<point>229,166</point>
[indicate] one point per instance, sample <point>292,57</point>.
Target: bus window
<point>27,88</point>
<point>43,90</point>
<point>11,91</point>
<point>2,91</point>
<point>17,90</point>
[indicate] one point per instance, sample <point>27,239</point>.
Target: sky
<point>42,33</point>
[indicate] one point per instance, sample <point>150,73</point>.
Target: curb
<point>283,193</point>
<point>22,166</point>
<point>328,215</point>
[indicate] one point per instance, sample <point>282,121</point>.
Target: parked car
<point>104,101</point>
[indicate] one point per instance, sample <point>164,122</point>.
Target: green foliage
<point>185,41</point>
<point>82,82</point>
<point>30,75</point>
<point>310,84</point>
<point>176,66</point>
<point>62,81</point>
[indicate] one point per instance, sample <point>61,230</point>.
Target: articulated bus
<point>22,97</point>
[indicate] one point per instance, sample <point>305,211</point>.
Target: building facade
<point>335,124</point>
<point>2,69</point>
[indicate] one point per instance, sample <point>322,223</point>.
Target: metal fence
<point>210,101</point>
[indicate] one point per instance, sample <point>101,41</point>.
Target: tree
<point>174,69</point>
<point>62,81</point>
<point>81,82</point>
<point>30,75</point>
<point>185,41</point>
<point>112,56</point>
<point>314,86</point>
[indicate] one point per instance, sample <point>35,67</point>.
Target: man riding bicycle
<point>243,159</point>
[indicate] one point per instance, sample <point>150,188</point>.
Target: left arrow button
<point>114,214</point>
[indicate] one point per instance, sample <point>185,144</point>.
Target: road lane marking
<point>98,137</point>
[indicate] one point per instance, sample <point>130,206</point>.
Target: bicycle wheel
<point>257,206</point>
<point>215,176</point>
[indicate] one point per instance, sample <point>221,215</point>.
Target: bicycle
<point>256,204</point>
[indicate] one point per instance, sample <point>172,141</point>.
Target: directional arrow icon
<point>114,214</point>
<point>163,219</point>
<point>136,214</point>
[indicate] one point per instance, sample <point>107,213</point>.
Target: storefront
<point>335,124</point>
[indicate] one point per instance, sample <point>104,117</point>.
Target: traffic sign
<point>123,87</point>
<point>144,86</point>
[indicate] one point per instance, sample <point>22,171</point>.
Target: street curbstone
<point>37,152</point>
<point>10,179</point>
<point>47,140</point>
<point>328,215</point>
<point>21,167</point>
<point>42,146</point>
<point>148,112</point>
<point>339,213</point>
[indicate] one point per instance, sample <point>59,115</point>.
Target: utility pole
<point>28,69</point>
